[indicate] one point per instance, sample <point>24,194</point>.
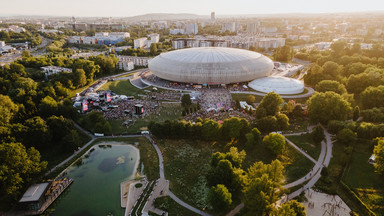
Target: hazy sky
<point>202,7</point>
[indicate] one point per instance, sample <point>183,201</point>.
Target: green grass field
<point>122,87</point>
<point>296,164</point>
<point>361,176</point>
<point>173,208</point>
<point>306,143</point>
<point>186,162</point>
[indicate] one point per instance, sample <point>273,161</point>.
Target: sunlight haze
<point>125,8</point>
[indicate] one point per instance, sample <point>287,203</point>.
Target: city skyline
<point>121,8</point>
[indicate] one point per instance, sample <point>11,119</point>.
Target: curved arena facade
<point>211,65</point>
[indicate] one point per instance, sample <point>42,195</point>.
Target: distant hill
<point>167,16</point>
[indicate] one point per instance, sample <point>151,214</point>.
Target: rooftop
<point>34,192</point>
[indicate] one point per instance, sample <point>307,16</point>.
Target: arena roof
<point>205,65</point>
<point>280,85</point>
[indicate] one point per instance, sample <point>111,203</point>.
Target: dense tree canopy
<point>373,97</point>
<point>275,142</point>
<point>323,107</point>
<point>220,198</point>
<point>284,54</point>
<point>262,187</point>
<point>18,165</point>
<point>331,85</point>
<point>270,103</point>
<point>379,155</point>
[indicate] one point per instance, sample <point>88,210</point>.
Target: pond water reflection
<point>97,177</point>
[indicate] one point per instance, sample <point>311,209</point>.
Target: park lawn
<point>167,204</point>
<point>186,163</point>
<point>297,126</point>
<point>361,176</point>
<point>123,87</point>
<point>296,164</point>
<point>117,126</point>
<point>306,143</point>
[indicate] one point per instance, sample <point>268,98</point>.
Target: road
<point>10,57</point>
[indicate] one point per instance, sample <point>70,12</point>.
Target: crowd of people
<point>216,99</point>
<point>121,109</point>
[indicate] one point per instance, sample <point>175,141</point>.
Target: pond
<point>97,176</point>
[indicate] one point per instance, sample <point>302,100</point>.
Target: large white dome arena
<point>279,85</point>
<point>211,65</point>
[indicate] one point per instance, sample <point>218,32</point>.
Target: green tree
<point>59,127</point>
<point>253,138</point>
<point>250,99</point>
<point>18,166</point>
<point>331,85</point>
<point>317,134</point>
<point>356,113</point>
<point>291,208</point>
<point>346,136</point>
<point>284,54</point>
<point>37,134</point>
<point>153,49</point>
<point>107,129</point>
<point>323,107</point>
<point>338,48</point>
<point>26,54</point>
<point>373,97</point>
<point>79,78</point>
<point>271,103</point>
<point>263,187</point>
<point>275,142</point>
<point>282,121</point>
<point>7,109</point>
<point>186,100</point>
<point>358,83</point>
<point>267,124</point>
<point>314,75</point>
<point>331,69</point>
<point>71,141</point>
<point>220,198</point>
<point>379,155</point>
<point>210,130</point>
<point>234,128</point>
<point>48,106</point>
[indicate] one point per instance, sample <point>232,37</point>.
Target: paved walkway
<point>324,163</point>
<point>301,151</point>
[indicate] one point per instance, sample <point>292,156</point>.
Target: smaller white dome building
<point>279,85</point>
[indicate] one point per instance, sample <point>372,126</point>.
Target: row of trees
<point>207,129</point>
